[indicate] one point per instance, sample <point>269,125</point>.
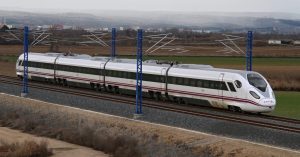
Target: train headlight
<point>254,95</point>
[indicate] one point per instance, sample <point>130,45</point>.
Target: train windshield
<point>257,81</point>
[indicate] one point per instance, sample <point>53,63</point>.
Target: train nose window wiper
<point>257,81</point>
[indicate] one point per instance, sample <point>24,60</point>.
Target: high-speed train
<point>236,90</point>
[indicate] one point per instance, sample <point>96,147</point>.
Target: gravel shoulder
<point>195,141</point>
<point>60,148</point>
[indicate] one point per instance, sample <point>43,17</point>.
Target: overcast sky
<point>289,6</point>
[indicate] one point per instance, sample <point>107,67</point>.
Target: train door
<point>18,64</point>
<point>101,73</point>
<point>220,91</point>
<point>163,79</point>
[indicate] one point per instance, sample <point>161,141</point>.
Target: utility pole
<point>25,63</point>
<point>139,74</point>
<point>249,51</point>
<point>113,43</point>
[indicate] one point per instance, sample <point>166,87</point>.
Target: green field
<point>269,61</point>
<point>288,104</point>
<point>10,58</point>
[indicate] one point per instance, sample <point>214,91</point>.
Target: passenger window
<point>199,83</point>
<point>238,83</point>
<point>206,84</point>
<point>162,79</point>
<point>186,81</point>
<point>231,87</point>
<point>179,80</point>
<point>173,80</point>
<point>193,82</point>
<point>223,86</point>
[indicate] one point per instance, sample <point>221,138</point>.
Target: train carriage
<point>235,90</point>
<point>40,66</point>
<point>121,74</point>
<point>82,71</point>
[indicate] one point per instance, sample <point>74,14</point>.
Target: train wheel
<point>234,109</point>
<point>182,101</point>
<point>98,87</point>
<point>65,83</point>
<point>116,90</point>
<point>92,86</point>
<point>109,88</point>
<point>151,94</point>
<point>157,96</point>
<point>175,99</point>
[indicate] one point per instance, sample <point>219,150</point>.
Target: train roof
<point>205,71</point>
<point>153,66</point>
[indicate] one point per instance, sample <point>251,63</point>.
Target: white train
<point>235,90</point>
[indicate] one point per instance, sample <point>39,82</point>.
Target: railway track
<point>190,110</point>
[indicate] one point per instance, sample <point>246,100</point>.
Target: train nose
<point>268,105</point>
<point>268,102</point>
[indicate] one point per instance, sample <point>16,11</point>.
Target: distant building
<point>4,27</point>
<point>296,42</point>
<point>67,27</point>
<point>121,28</point>
<point>274,42</point>
<point>46,27</point>
<point>57,27</point>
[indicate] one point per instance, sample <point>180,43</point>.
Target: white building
<point>274,42</point>
<point>297,42</point>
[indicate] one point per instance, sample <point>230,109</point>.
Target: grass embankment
<point>120,137</point>
<point>9,58</point>
<point>113,136</point>
<point>25,149</point>
<point>288,104</point>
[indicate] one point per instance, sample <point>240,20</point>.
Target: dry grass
<point>284,78</point>
<point>274,51</point>
<point>25,149</point>
<point>114,139</point>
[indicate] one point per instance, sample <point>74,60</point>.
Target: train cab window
<point>223,86</point>
<point>20,62</point>
<point>257,81</point>
<point>238,84</point>
<point>231,87</point>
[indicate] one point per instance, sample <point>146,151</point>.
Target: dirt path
<point>60,148</point>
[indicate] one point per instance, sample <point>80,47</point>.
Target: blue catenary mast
<point>249,51</point>
<point>113,42</point>
<point>25,62</point>
<point>139,72</point>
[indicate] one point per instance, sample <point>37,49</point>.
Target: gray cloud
<point>290,6</point>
